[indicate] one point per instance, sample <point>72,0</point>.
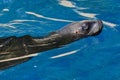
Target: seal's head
<point>82,29</point>
<point>90,27</point>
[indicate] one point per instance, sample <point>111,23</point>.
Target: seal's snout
<point>96,27</point>
<point>100,23</point>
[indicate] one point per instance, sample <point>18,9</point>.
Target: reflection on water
<point>89,15</point>
<point>53,19</point>
<point>109,24</point>
<point>65,54</point>
<point>5,10</point>
<point>66,3</point>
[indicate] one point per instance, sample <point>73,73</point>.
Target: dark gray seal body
<point>15,50</point>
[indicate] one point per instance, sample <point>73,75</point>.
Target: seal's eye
<point>84,27</point>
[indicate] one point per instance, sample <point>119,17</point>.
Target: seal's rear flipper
<point>14,51</point>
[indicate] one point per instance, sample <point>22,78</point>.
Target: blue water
<point>93,58</point>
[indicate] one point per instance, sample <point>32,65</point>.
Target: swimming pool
<point>93,58</point>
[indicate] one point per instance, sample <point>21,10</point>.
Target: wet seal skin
<point>16,50</point>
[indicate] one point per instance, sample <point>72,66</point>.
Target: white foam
<point>89,15</point>
<point>66,3</point>
<point>49,18</point>
<point>65,54</point>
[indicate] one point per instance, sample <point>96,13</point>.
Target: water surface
<point>93,58</point>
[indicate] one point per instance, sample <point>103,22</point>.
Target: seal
<point>15,50</point>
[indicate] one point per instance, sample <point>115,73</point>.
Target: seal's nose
<point>96,28</point>
<point>100,23</point>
